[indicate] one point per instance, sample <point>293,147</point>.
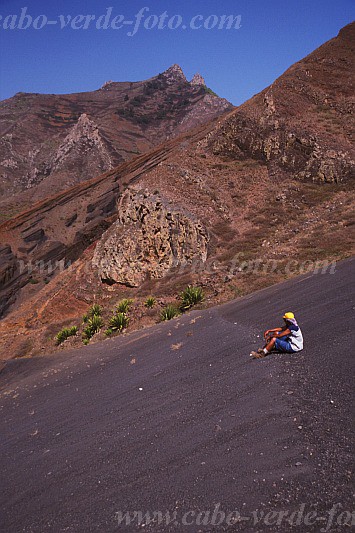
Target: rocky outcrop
<point>290,150</point>
<point>300,126</point>
<point>198,80</point>
<point>149,238</point>
<point>7,265</point>
<point>83,137</point>
<point>174,74</point>
<point>56,231</point>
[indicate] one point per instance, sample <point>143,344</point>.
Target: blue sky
<point>236,63</point>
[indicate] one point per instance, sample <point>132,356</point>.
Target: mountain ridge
<point>51,142</point>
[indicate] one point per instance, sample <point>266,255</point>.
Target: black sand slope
<point>178,418</point>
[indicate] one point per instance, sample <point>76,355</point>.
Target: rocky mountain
<point>257,195</point>
<point>51,142</point>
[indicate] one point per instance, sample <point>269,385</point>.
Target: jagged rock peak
<point>198,80</point>
<point>84,122</point>
<point>84,133</point>
<point>175,73</point>
<point>106,84</point>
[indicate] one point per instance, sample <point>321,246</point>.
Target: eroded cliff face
<point>84,137</point>
<point>302,125</point>
<point>282,146</point>
<point>149,238</point>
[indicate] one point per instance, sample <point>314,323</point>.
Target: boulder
<point>149,238</point>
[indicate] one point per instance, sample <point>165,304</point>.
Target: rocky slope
<point>51,142</point>
<point>251,198</point>
<point>303,124</point>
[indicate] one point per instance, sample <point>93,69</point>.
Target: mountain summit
<point>198,80</point>
<point>52,142</point>
<point>175,74</point>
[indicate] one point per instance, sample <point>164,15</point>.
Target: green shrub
<point>123,306</point>
<point>93,325</point>
<point>190,297</point>
<point>65,333</point>
<point>209,91</point>
<point>150,302</point>
<point>95,310</point>
<point>169,312</point>
<point>118,322</point>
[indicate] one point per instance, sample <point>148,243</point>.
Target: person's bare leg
<point>270,344</point>
<point>262,353</point>
<point>268,341</point>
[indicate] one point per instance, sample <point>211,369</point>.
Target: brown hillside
<point>251,198</point>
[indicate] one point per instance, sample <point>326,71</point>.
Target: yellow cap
<point>288,316</point>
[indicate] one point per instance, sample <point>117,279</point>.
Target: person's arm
<point>285,333</point>
<point>266,333</point>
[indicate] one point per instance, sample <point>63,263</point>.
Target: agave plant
<point>93,325</point>
<point>65,333</point>
<point>169,312</point>
<point>118,322</point>
<point>150,302</point>
<point>95,310</point>
<point>190,297</point>
<point>124,305</point>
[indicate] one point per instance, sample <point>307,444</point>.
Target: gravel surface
<point>179,418</point>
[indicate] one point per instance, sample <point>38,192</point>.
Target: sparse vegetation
<point>151,87</point>
<point>125,112</point>
<point>93,325</point>
<point>169,312</point>
<point>190,297</point>
<point>150,302</point>
<point>118,322</point>
<point>209,91</point>
<point>95,310</point>
<point>65,333</point>
<point>138,100</point>
<point>124,305</point>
